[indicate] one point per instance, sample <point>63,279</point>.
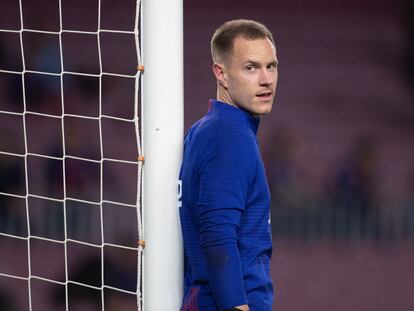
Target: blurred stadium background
<point>338,148</point>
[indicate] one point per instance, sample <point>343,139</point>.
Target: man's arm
<point>224,180</point>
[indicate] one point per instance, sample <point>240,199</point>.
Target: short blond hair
<point>223,38</point>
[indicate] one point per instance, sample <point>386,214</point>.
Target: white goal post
<point>162,37</point>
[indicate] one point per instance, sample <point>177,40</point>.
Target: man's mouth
<point>264,94</point>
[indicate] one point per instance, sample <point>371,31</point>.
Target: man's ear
<point>220,72</point>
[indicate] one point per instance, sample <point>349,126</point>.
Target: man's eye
<point>249,68</point>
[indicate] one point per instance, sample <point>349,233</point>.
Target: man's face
<point>250,75</point>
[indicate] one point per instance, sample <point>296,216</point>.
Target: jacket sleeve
<point>224,181</point>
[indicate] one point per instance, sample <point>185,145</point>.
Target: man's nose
<point>266,77</point>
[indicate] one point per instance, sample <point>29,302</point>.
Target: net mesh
<point>70,155</point>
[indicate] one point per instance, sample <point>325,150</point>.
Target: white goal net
<point>70,155</point>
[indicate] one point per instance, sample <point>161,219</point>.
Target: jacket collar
<point>233,113</point>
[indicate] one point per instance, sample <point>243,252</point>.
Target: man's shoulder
<point>215,136</point>
<point>219,129</point>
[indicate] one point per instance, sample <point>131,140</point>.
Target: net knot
<point>141,159</point>
<point>141,243</point>
<point>141,68</point>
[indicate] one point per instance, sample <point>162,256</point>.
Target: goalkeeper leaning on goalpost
<point>225,199</point>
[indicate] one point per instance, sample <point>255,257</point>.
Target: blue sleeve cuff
<point>225,275</point>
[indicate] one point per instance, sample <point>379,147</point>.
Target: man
<point>225,197</point>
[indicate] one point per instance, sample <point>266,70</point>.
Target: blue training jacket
<point>225,214</point>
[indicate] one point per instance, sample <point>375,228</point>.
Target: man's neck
<point>223,96</point>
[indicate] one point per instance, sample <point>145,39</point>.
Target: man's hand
<point>241,308</point>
